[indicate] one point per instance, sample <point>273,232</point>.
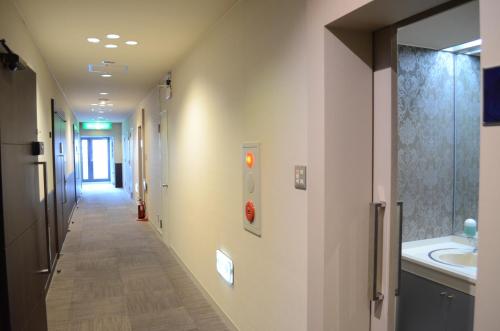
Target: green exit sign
<point>97,126</point>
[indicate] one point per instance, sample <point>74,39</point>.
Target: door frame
<point>77,165</point>
<point>89,162</point>
<point>55,155</point>
<point>385,130</point>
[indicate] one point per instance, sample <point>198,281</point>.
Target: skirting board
<point>225,319</point>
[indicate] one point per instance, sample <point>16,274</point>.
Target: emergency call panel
<point>251,209</point>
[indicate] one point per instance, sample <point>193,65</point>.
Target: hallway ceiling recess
<point>164,30</point>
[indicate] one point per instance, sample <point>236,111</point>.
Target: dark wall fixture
<point>9,59</point>
<point>491,79</point>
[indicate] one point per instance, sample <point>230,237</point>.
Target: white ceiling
<point>165,30</point>
<point>450,28</point>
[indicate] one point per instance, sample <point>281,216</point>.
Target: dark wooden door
<point>24,258</point>
<point>78,162</point>
<point>60,192</point>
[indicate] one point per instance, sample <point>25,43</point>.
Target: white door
<point>164,170</point>
<point>384,226</point>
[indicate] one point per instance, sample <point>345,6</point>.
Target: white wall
<point>488,289</point>
<point>245,81</point>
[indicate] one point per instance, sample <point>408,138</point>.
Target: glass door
<point>95,159</point>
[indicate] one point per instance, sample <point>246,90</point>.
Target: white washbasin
<point>455,256</point>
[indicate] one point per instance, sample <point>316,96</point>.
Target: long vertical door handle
<point>63,168</point>
<point>46,211</point>
<point>400,206</point>
<point>375,293</point>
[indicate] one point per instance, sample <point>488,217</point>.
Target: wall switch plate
<point>300,177</point>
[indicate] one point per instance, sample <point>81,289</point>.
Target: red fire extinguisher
<point>141,211</point>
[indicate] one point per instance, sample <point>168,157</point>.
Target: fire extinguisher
<point>141,211</point>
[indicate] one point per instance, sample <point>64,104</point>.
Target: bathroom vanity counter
<point>416,259</point>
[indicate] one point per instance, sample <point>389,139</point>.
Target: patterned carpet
<point>116,274</point>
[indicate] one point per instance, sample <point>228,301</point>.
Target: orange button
<point>250,211</point>
<point>249,159</point>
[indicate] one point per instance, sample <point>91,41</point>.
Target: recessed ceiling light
<point>104,93</point>
<point>111,46</point>
<point>93,104</point>
<point>131,42</point>
<point>106,75</point>
<point>93,40</point>
<point>463,47</point>
<point>112,36</point>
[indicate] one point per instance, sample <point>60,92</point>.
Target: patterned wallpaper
<point>426,142</point>
<point>467,125</point>
<point>439,121</point>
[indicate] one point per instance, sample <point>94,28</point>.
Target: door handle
<point>46,212</point>
<point>164,185</point>
<point>63,169</point>
<point>400,252</point>
<point>375,293</point>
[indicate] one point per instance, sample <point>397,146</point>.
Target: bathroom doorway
<point>423,255</point>
<point>437,176</point>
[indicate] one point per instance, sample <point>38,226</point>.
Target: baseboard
<point>225,319</point>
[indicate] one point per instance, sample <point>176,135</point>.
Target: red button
<point>250,211</point>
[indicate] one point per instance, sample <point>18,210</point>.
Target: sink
<point>455,256</point>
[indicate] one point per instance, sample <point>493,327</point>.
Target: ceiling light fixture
<point>131,42</point>
<point>93,40</point>
<point>462,47</point>
<point>104,93</point>
<point>106,75</point>
<point>93,104</point>
<point>111,46</point>
<point>112,36</point>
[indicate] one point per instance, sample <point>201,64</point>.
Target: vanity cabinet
<point>428,306</point>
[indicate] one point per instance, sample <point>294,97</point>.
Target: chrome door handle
<point>375,293</point>
<point>400,252</point>
<point>164,185</point>
<point>46,212</point>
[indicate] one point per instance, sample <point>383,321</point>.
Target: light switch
<point>300,177</point>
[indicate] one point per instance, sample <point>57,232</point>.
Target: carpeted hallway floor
<point>116,274</point>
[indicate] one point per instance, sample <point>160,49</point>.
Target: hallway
<point>116,274</point>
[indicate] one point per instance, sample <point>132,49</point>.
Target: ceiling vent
<point>109,67</point>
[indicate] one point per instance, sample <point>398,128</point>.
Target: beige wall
<point>245,81</point>
<point>488,290</point>
<point>325,293</point>
<point>266,73</point>
<point>13,29</point>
